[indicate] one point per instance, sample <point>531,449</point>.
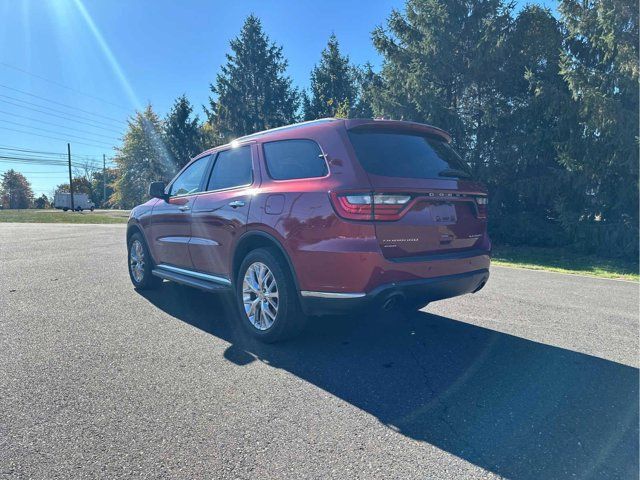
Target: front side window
<point>190,180</point>
<point>233,168</point>
<point>291,159</point>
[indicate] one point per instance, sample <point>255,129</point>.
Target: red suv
<point>319,217</point>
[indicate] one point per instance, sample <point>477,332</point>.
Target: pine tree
<point>443,60</point>
<point>100,185</point>
<point>42,202</point>
<point>252,92</point>
<point>333,85</point>
<point>141,159</point>
<point>369,84</point>
<point>182,134</point>
<point>15,190</point>
<point>526,179</point>
<point>600,64</point>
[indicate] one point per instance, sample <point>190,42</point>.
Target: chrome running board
<point>306,293</point>
<point>203,281</point>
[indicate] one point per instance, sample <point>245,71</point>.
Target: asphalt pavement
<point>534,377</point>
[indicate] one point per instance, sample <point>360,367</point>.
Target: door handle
<point>184,208</point>
<point>236,204</point>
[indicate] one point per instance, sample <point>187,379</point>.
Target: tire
<point>288,320</point>
<point>142,278</point>
<point>92,208</point>
<point>65,209</point>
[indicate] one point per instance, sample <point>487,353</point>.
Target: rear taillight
<point>482,204</point>
<point>370,206</point>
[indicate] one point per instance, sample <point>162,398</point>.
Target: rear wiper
<point>453,172</point>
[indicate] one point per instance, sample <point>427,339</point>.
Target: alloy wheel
<point>260,296</point>
<point>136,261</point>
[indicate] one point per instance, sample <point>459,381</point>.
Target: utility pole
<point>70,177</point>
<point>104,181</point>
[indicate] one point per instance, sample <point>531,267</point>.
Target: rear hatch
<point>423,199</point>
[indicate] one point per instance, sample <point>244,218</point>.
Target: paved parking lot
<point>534,377</point>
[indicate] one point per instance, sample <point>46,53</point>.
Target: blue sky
<point>102,59</point>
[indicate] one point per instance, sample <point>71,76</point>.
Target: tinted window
<point>190,179</point>
<point>232,169</point>
<point>289,159</point>
<point>406,155</point>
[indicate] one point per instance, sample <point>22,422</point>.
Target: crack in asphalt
<point>436,398</point>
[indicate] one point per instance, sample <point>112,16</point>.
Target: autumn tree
<point>15,190</point>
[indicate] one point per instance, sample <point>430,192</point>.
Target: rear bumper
<point>423,290</point>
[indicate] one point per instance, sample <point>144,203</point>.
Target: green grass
<point>550,259</point>
<point>58,216</point>
<point>564,261</point>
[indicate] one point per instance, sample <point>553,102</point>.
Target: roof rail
<point>284,128</point>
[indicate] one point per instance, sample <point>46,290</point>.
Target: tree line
<point>543,108</point>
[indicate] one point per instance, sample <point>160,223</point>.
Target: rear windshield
<point>407,155</point>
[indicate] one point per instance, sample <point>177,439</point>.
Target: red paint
<point>328,252</point>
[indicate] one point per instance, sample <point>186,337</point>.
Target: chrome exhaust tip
<point>391,302</point>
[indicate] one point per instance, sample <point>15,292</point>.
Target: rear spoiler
<point>356,124</point>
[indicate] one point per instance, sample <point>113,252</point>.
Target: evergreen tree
<point>526,179</point>
<point>600,64</point>
<point>369,84</point>
<point>252,92</point>
<point>443,62</point>
<point>98,188</point>
<point>42,202</point>
<point>211,137</point>
<point>333,85</point>
<point>182,134</point>
<point>141,159</point>
<point>15,190</point>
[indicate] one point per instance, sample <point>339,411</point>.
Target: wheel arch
<point>259,239</point>
<point>134,227</point>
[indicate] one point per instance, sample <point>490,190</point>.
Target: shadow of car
<point>516,407</point>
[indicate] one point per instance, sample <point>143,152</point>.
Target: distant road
<point>534,377</point>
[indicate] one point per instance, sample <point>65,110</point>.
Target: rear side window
<point>190,180</point>
<point>232,169</point>
<point>291,159</point>
<point>405,155</point>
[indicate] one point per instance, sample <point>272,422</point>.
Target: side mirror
<point>156,190</point>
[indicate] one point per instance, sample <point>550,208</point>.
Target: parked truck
<point>62,200</point>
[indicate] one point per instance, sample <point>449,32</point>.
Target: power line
<point>62,85</point>
<point>54,132</point>
<point>60,103</point>
<point>30,154</point>
<point>50,137</point>
<point>66,116</point>
<point>36,161</point>
<point>42,172</point>
<point>43,162</point>
<point>89,122</point>
<point>38,152</point>
<point>21,155</point>
<point>58,125</point>
<point>37,175</point>
<point>42,154</point>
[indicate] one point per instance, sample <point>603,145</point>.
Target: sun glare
<point>109,55</point>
